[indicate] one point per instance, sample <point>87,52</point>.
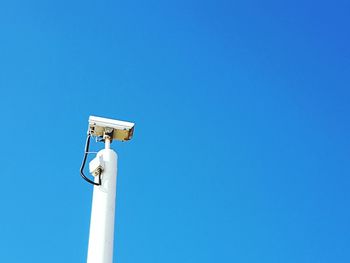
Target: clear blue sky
<point>241,148</point>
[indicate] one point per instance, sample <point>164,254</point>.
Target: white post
<point>103,211</point>
<point>107,143</point>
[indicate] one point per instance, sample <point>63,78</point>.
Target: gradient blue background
<point>241,147</point>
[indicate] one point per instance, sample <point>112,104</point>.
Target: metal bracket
<point>108,134</point>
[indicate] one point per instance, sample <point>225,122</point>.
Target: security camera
<point>117,130</point>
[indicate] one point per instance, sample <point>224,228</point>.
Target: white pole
<point>107,143</point>
<point>101,237</point>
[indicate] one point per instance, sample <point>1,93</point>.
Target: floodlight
<point>104,170</point>
<point>121,130</point>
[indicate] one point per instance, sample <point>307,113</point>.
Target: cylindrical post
<point>103,211</point>
<point>107,143</point>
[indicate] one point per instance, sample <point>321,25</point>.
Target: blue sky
<point>241,147</point>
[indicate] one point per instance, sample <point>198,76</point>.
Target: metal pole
<point>101,237</point>
<point>107,143</point>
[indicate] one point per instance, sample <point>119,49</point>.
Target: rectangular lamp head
<point>122,130</point>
